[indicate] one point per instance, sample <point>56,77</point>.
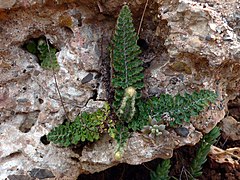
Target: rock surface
<point>191,46</point>
<point>230,128</point>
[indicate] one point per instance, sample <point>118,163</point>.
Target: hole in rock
<point>75,159</point>
<point>224,143</point>
<point>235,152</point>
<point>142,44</point>
<point>41,48</point>
<point>40,100</point>
<point>94,95</point>
<point>234,158</point>
<point>97,76</point>
<point>79,148</point>
<point>44,140</point>
<point>65,121</point>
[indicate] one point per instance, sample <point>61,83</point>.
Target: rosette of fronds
<point>127,67</point>
<point>173,110</point>
<point>86,127</point>
<point>162,171</point>
<point>202,152</point>
<point>154,128</point>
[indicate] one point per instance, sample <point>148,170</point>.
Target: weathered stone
<point>230,128</point>
<point>41,173</point>
<point>87,78</point>
<point>191,46</point>
<point>19,177</point>
<point>182,131</point>
<point>207,20</point>
<point>140,148</point>
<point>6,4</point>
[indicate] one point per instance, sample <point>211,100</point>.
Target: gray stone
<point>87,78</point>
<point>182,131</point>
<point>41,173</point>
<point>19,177</point>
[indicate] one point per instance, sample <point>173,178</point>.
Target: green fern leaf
<point>179,108</point>
<point>84,128</point>
<point>126,65</point>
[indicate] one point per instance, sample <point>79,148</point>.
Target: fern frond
<point>178,108</point>
<point>86,127</point>
<point>162,171</point>
<point>202,152</point>
<point>127,66</point>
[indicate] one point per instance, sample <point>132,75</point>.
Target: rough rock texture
<point>139,149</point>
<point>191,45</point>
<point>230,128</point>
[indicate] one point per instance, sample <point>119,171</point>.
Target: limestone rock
<point>188,37</point>
<point>230,128</point>
<point>139,148</point>
<point>192,45</point>
<point>230,156</point>
<point>6,4</point>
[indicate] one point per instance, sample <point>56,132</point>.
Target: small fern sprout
<point>154,129</point>
<point>47,55</point>
<point>118,156</point>
<point>131,91</point>
<point>127,108</point>
<point>166,117</point>
<point>119,152</point>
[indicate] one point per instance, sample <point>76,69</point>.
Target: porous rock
<point>192,45</point>
<point>230,128</point>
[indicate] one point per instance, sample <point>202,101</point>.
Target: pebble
<point>87,78</point>
<point>182,131</point>
<point>41,173</point>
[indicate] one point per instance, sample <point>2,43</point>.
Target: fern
<point>162,171</point>
<point>126,65</point>
<point>86,127</point>
<point>202,152</point>
<point>47,55</point>
<point>171,109</point>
